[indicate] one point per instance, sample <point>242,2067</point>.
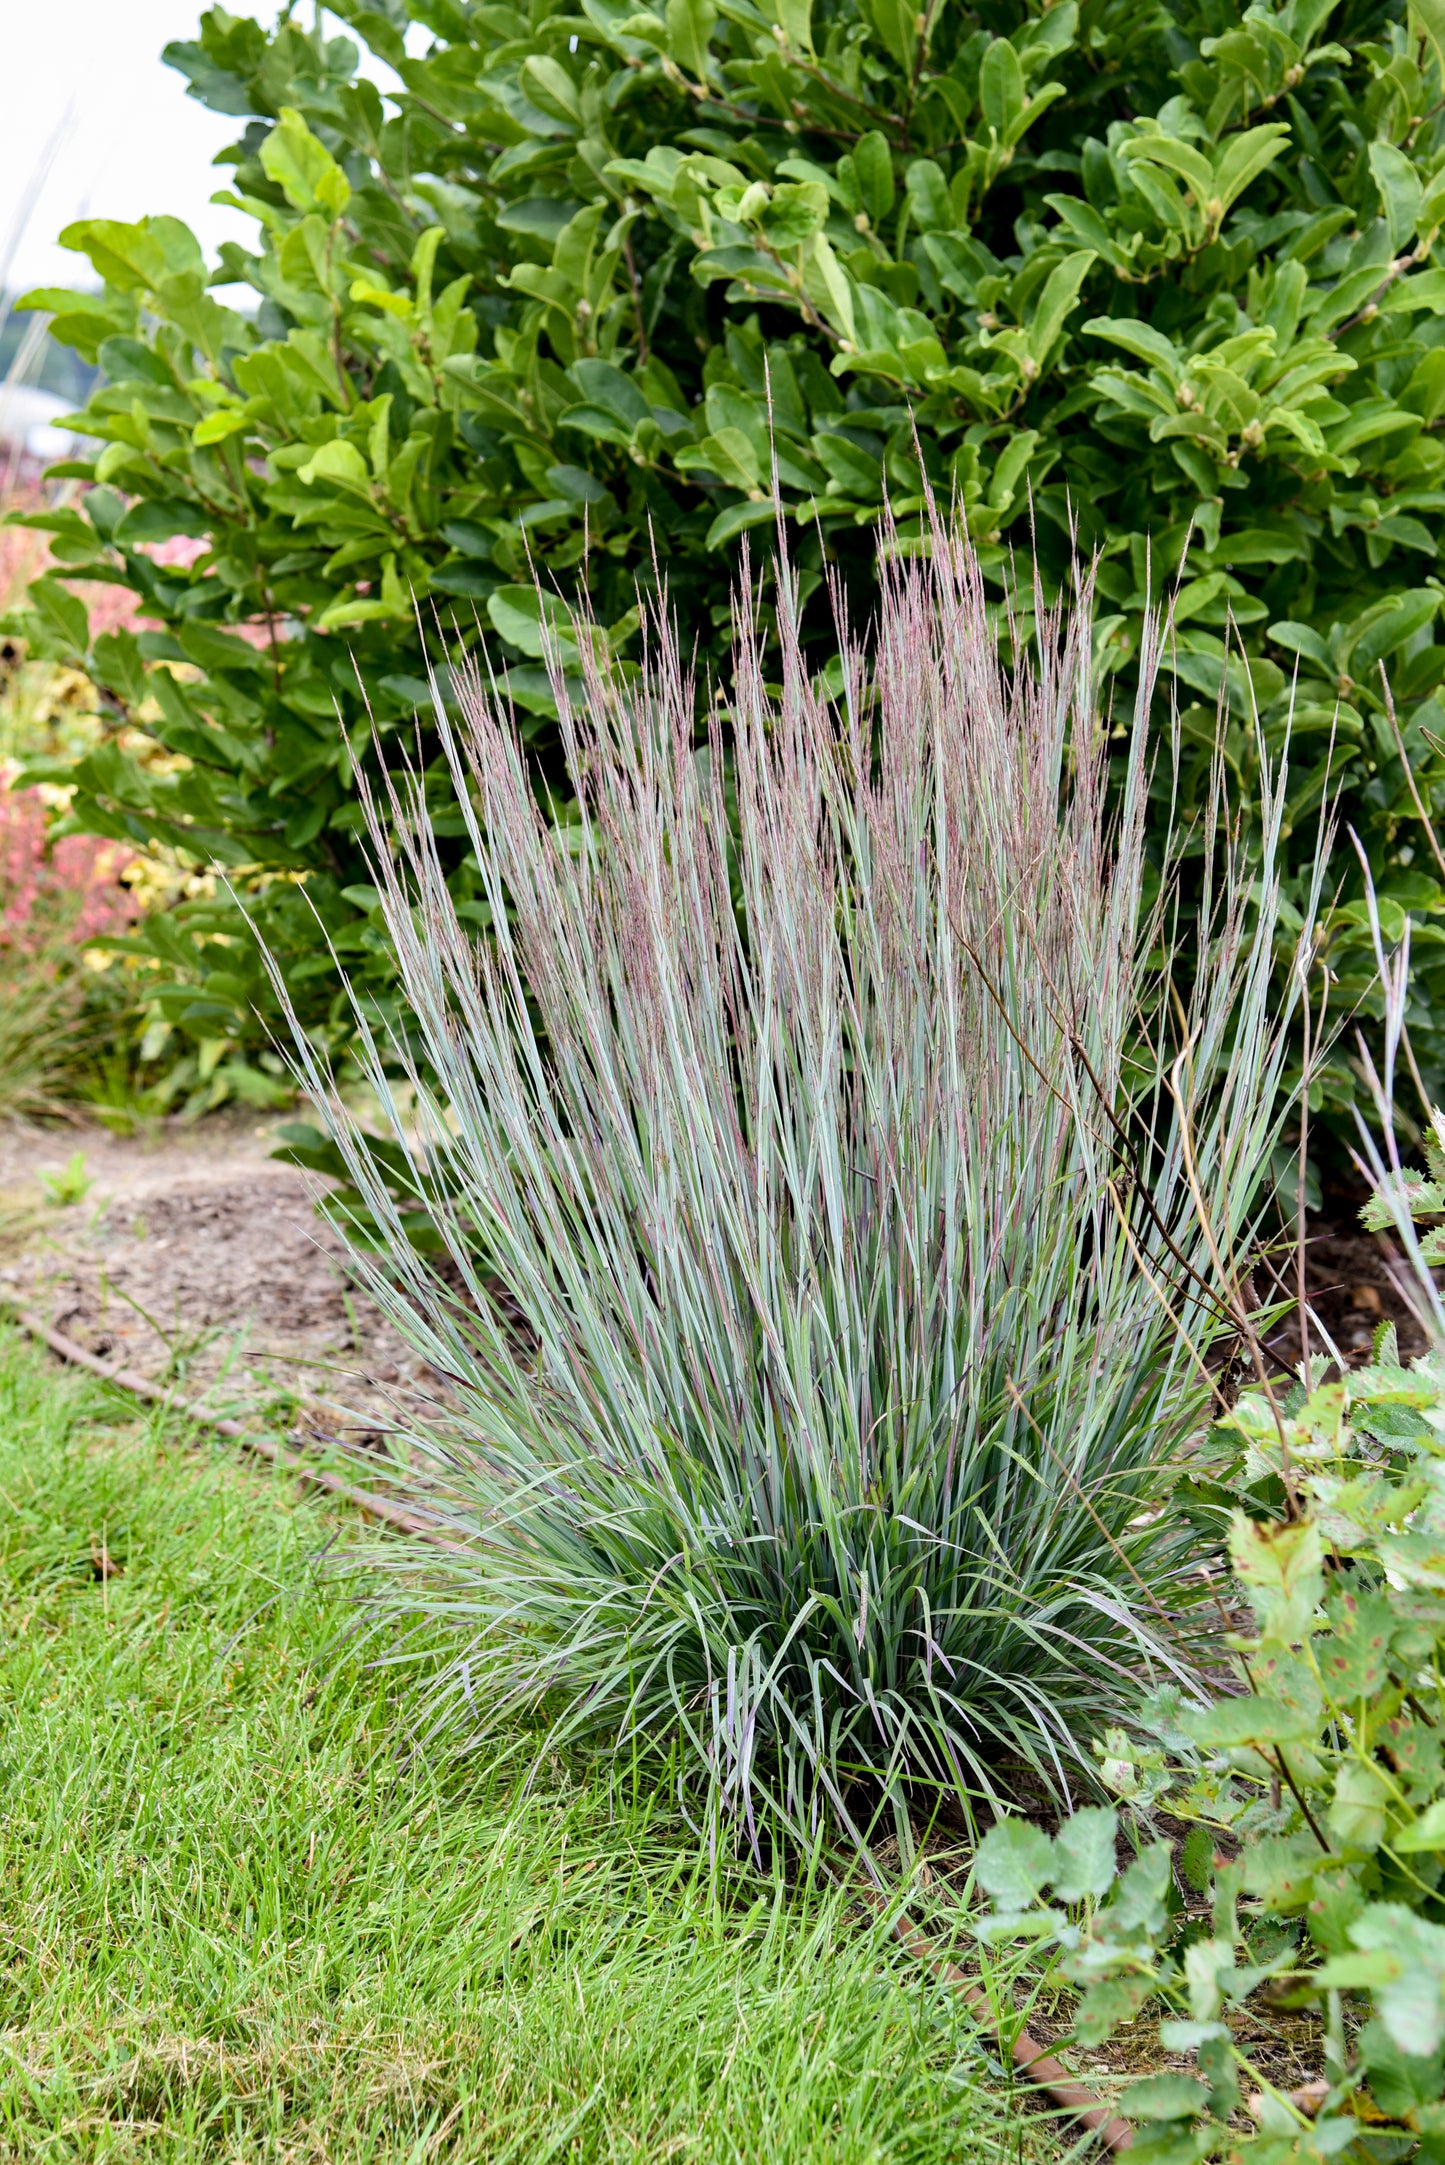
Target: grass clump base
<point>243,1920</point>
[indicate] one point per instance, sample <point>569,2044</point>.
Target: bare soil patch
<point>199,1260</point>
<point>1356,1281</point>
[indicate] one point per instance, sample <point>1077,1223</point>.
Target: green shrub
<point>809,1193</point>
<point>1117,271</point>
<point>1313,1875</point>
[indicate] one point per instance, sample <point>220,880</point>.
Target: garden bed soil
<point>1356,1281</point>
<point>198,1260</point>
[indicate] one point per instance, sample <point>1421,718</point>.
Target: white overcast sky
<point>130,141</point>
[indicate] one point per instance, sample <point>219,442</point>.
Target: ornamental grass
<point>840,1147</point>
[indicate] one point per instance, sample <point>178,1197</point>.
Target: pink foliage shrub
<point>24,555</point>
<point>66,891</point>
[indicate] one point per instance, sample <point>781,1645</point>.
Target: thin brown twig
<point>1415,1076</point>
<point>1153,1284</point>
<point>137,1386</point>
<point>1076,1044</point>
<point>1300,1799</point>
<point>1226,1311</point>
<point>635,282</point>
<point>1227,1308</point>
<point>1301,1288</point>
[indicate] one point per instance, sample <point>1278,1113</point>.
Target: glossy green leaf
<point>301,165</point>
<point>873,163</point>
<point>689,31</point>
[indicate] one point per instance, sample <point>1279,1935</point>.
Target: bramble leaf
<point>1014,1862</point>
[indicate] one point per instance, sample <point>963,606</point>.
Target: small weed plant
<point>812,1140</point>
<point>71,1184</point>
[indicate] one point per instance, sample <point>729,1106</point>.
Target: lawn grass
<point>243,1919</point>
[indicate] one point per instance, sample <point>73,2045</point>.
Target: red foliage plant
<point>68,891</point>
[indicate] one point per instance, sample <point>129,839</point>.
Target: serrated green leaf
<point>1282,1569</point>
<point>1107,2003</point>
<point>1236,1723</point>
<point>1164,2097</point>
<point>1409,1985</point>
<point>1084,1861</point>
<point>1014,1862</point>
<point>1359,1809</point>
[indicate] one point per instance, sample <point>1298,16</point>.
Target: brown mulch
<point>1285,2046</point>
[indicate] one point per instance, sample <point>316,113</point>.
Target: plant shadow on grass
<point>245,1919</point>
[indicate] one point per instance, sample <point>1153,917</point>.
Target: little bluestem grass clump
<point>821,1135</point>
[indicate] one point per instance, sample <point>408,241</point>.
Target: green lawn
<point>242,1918</point>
